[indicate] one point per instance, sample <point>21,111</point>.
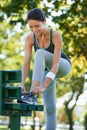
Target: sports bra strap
<point>51,35</point>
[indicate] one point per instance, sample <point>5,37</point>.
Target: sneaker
<point>28,98</point>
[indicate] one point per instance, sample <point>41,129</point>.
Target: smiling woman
<point>49,64</point>
<point>36,27</point>
<point>41,34</point>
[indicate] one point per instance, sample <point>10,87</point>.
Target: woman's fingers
<point>36,90</point>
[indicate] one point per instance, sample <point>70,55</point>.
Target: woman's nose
<point>34,29</point>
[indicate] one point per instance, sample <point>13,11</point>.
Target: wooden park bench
<point>9,96</point>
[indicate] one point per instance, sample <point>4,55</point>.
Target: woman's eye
<point>30,26</point>
<point>37,26</point>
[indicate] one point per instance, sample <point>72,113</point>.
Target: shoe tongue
<point>29,94</point>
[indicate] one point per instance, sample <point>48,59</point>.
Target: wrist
<point>22,82</point>
<point>50,75</point>
<point>22,85</point>
<point>43,89</point>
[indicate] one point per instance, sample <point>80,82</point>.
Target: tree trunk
<point>70,119</point>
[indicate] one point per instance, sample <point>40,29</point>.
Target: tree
<point>12,28</point>
<point>69,18</point>
<point>73,88</point>
<point>74,96</point>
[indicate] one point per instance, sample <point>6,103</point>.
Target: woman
<point>49,64</point>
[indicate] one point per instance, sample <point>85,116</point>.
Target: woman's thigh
<point>64,65</point>
<point>64,68</point>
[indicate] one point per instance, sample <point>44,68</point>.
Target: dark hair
<point>36,14</point>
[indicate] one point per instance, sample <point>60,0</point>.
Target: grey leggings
<point>43,59</point>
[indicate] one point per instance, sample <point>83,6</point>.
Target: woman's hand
<point>23,88</point>
<point>37,90</point>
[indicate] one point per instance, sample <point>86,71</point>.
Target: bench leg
<point>15,122</point>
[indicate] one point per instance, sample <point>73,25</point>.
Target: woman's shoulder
<point>56,34</point>
<point>29,38</point>
<point>29,35</point>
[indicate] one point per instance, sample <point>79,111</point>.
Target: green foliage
<point>16,9</point>
<point>69,18</point>
<point>10,47</point>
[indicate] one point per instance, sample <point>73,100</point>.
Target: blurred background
<point>70,18</point>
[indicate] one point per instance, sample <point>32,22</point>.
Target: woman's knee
<point>40,53</point>
<point>64,68</point>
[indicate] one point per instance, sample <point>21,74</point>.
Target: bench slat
<point>13,92</point>
<point>15,106</point>
<point>17,113</point>
<point>39,108</point>
<point>12,76</point>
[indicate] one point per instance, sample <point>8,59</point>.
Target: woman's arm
<point>27,58</point>
<point>57,41</point>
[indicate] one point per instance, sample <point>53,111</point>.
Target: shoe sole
<point>21,101</point>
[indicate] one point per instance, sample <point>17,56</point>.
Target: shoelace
<point>28,95</point>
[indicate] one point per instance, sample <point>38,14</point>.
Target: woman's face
<point>36,26</point>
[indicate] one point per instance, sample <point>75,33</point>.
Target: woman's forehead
<point>34,22</point>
